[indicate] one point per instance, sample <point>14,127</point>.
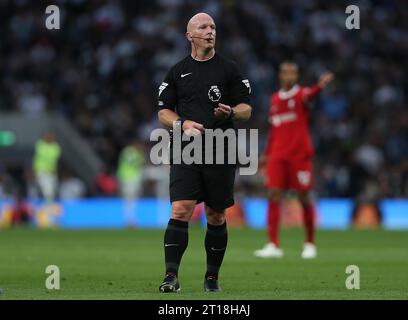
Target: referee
<point>202,91</point>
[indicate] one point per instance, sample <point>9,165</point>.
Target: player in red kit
<point>288,156</point>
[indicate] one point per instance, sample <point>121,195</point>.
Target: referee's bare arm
<point>167,118</point>
<point>241,112</point>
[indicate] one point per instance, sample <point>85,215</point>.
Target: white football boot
<point>270,250</point>
<point>309,251</point>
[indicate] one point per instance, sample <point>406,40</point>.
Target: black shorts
<point>213,184</point>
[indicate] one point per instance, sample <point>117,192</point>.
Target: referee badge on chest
<point>214,94</point>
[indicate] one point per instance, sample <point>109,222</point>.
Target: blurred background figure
<point>71,187</point>
<point>21,211</point>
<point>130,170</point>
<point>105,182</point>
<point>17,212</point>
<point>45,165</point>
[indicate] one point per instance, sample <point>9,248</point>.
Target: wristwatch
<point>178,124</point>
<point>232,114</point>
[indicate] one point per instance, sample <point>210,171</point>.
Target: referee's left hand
<point>222,112</point>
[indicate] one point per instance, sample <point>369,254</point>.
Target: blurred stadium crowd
<point>103,67</point>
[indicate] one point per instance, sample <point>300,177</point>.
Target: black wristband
<point>231,115</point>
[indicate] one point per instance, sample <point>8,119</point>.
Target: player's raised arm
<point>309,93</point>
<point>325,79</point>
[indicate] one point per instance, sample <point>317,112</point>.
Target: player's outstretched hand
<point>325,79</point>
<point>222,112</point>
<point>192,128</point>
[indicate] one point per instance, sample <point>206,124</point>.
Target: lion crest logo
<point>214,94</point>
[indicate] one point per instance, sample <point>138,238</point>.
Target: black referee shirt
<point>194,88</point>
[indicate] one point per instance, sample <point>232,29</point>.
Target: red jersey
<point>289,136</point>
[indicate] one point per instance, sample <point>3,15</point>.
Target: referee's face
<point>201,31</point>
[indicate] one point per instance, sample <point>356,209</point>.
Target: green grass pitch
<point>128,264</point>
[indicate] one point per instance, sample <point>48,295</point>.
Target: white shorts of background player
<point>47,182</point>
<point>130,190</point>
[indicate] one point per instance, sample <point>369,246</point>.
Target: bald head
<point>196,20</point>
<point>201,34</point>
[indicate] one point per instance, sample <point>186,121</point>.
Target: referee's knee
<point>215,217</point>
<point>182,210</point>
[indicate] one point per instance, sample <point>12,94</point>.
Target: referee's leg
<point>216,240</point>
<point>175,242</point>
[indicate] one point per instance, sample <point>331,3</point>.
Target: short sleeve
<point>240,87</point>
<point>167,98</point>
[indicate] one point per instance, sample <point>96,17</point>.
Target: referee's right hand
<point>192,128</point>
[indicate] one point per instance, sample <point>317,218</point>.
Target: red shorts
<point>293,174</point>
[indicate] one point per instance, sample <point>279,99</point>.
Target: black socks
<point>216,240</point>
<point>175,243</point>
